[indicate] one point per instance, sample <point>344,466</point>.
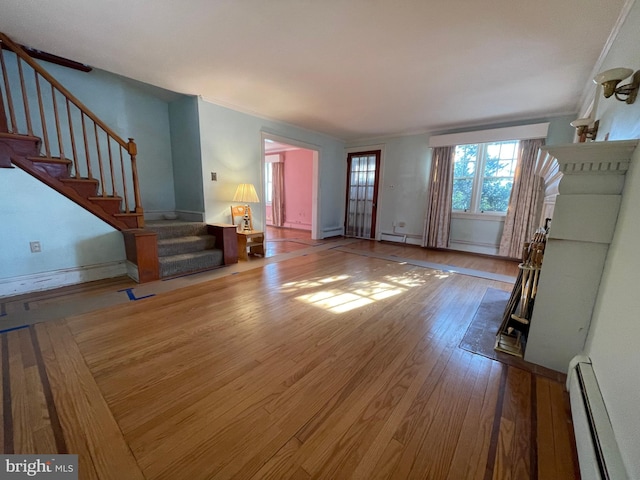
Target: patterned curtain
<point>524,203</point>
<point>438,222</point>
<point>277,205</point>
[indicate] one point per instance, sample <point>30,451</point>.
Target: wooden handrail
<point>17,49</point>
<point>48,125</point>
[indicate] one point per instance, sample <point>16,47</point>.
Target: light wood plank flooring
<point>330,365</point>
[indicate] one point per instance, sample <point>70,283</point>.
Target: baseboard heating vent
<point>598,451</point>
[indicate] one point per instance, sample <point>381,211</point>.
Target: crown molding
<point>587,97</point>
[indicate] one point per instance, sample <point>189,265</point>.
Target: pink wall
<point>298,184</point>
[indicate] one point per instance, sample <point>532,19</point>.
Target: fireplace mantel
<point>582,229</point>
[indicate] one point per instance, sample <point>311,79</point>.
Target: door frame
<point>315,181</point>
<point>369,150</point>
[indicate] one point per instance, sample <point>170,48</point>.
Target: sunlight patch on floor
<point>345,296</point>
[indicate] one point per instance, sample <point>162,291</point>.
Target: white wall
<point>232,147</point>
<point>615,327</point>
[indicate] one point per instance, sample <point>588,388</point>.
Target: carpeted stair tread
<point>189,244</point>
<point>176,228</point>
<point>189,262</point>
<point>184,247</point>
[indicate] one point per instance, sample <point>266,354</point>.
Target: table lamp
<point>246,193</point>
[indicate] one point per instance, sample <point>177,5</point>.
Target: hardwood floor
<point>329,365</point>
<point>285,240</point>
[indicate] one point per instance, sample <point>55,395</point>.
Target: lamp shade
<point>246,193</point>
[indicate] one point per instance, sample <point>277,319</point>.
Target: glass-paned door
<point>362,194</point>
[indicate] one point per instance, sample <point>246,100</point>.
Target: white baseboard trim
<point>332,232</point>
<point>60,278</point>
<point>157,214</point>
<point>190,216</point>
<point>409,239</point>
<point>475,248</point>
<point>132,271</point>
<point>298,226</point>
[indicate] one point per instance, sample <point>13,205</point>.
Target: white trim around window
<point>522,132</point>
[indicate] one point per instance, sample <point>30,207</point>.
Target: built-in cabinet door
<point>362,194</point>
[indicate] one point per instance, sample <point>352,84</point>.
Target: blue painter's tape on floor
<point>3,310</point>
<point>132,296</point>
<point>14,328</point>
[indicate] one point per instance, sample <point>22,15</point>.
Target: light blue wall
<point>404,187</point>
<point>231,147</point>
<point>617,119</point>
<point>186,154</point>
<point>402,195</point>
<point>70,236</point>
<point>132,109</point>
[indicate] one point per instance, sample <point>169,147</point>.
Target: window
<point>483,176</point>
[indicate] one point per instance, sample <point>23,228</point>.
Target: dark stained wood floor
<point>328,366</point>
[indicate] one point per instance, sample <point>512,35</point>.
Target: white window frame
<point>478,181</point>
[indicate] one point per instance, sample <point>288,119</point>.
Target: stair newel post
<point>133,151</point>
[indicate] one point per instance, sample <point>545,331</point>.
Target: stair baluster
<point>104,199</point>
<point>7,89</point>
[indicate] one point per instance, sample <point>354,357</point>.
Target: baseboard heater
<point>598,451</point>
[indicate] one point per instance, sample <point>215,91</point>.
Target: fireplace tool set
<point>512,335</point>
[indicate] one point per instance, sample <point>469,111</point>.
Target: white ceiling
<point>349,68</point>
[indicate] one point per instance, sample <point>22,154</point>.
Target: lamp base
<point>246,221</point>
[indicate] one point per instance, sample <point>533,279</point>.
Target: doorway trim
<point>381,189</point>
<point>315,181</point>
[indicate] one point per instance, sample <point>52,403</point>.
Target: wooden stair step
<point>19,144</point>
<point>63,161</point>
<point>109,204</point>
<point>55,166</point>
<point>86,187</point>
<point>19,136</point>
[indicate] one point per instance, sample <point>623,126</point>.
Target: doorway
<point>290,173</point>
<point>362,194</point>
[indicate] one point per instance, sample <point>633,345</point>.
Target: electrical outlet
<point>402,224</point>
<point>214,177</point>
<point>35,247</point>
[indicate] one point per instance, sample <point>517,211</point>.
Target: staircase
<point>46,131</point>
<point>185,247</point>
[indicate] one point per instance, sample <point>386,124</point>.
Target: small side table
<point>251,240</point>
<point>225,240</point>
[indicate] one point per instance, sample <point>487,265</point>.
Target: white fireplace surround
<point>584,220</point>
